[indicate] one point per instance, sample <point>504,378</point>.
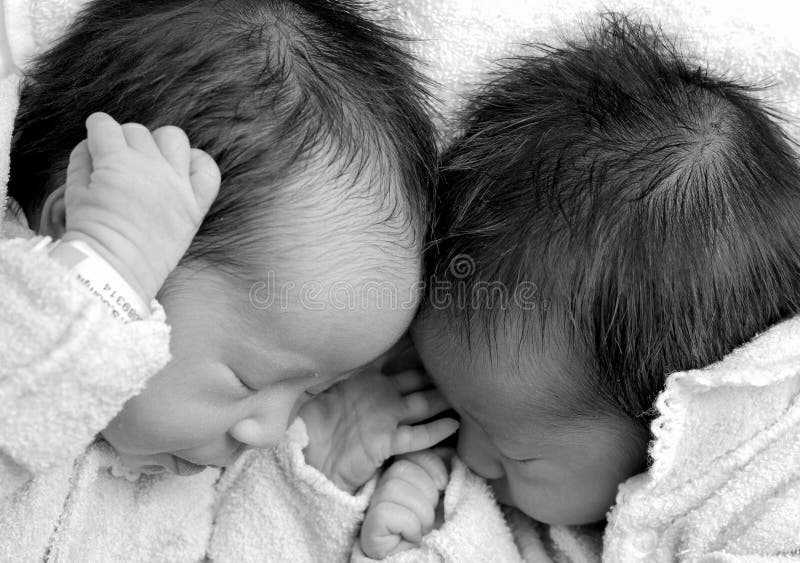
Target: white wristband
<point>98,276</point>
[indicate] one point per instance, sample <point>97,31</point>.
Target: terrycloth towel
<point>724,484</point>
<point>32,25</point>
<point>66,368</point>
<point>459,40</point>
<point>80,513</point>
<point>275,507</point>
<point>274,503</point>
<point>9,101</point>
<point>26,28</point>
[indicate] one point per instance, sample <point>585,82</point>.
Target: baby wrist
<point>95,273</point>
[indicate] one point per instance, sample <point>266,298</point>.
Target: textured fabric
<point>275,506</point>
<point>9,100</point>
<point>80,512</point>
<point>459,41</point>
<point>32,25</point>
<point>66,368</point>
<point>725,477</point>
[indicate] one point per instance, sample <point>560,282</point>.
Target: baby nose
<point>475,450</point>
<point>256,433</point>
<point>266,418</point>
<point>263,427</point>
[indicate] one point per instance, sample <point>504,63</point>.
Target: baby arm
<point>67,366</point>
<point>360,423</point>
<point>403,508</point>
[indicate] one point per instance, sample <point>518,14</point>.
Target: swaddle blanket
<point>724,484</point>
<point>26,28</point>
<point>460,40</point>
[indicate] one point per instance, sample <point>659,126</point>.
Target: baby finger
<point>406,439</point>
<point>174,146</point>
<point>434,463</point>
<point>139,137</point>
<point>104,135</point>
<point>423,405</point>
<point>411,380</point>
<point>386,529</point>
<point>413,472</point>
<point>79,170</point>
<point>399,494</point>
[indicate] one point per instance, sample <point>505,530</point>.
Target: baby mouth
<point>185,468</point>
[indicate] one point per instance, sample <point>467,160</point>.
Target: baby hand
<point>403,507</point>
<point>355,426</point>
<point>137,198</point>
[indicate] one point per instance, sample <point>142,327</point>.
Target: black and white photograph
<point>414,281</point>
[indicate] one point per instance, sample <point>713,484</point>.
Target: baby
<point>317,123</point>
<point>611,214</point>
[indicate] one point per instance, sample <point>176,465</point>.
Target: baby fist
<point>137,198</point>
<point>403,507</point>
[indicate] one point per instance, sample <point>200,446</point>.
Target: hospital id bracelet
<point>98,276</point>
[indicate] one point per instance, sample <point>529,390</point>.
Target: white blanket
<point>459,40</point>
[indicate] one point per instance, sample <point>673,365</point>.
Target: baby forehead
<point>504,375</point>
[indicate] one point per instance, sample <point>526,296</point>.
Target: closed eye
<point>528,461</point>
<point>521,461</point>
<point>524,461</point>
<point>242,383</point>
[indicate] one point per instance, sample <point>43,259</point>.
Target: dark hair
<point>265,87</point>
<point>654,205</point>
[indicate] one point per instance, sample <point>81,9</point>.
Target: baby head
<point>610,215</point>
<point>307,265</point>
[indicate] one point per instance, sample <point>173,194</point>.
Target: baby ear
<point>53,221</point>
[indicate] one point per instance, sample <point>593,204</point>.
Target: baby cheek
<point>151,424</point>
<point>560,494</point>
<point>136,430</point>
<point>172,413</point>
<point>523,489</point>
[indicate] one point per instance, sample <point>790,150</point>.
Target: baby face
<point>557,468</point>
<point>240,370</point>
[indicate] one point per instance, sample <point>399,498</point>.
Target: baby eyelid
<point>243,383</point>
<point>527,461</point>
